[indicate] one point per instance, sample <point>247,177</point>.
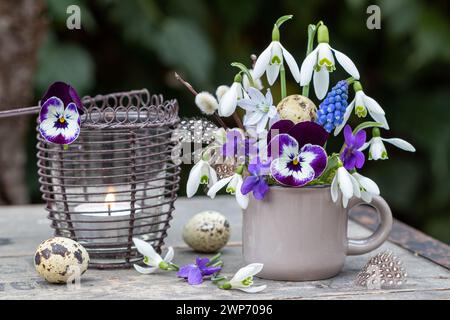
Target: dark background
<point>139,43</point>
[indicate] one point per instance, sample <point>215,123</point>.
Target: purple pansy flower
<point>59,118</point>
<point>294,166</point>
<point>351,156</point>
<point>194,273</point>
<point>66,93</point>
<point>256,182</point>
<point>304,132</point>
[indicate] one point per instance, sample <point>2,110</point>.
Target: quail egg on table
<point>207,231</point>
<point>58,258</point>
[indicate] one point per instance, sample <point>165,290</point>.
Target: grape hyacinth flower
<point>256,182</point>
<point>378,150</point>
<point>332,109</point>
<point>194,273</point>
<point>363,104</point>
<point>321,62</point>
<point>152,259</point>
<point>201,173</point>
<point>259,108</point>
<point>59,117</point>
<point>233,186</point>
<point>243,279</point>
<point>347,184</point>
<point>352,157</point>
<point>293,166</point>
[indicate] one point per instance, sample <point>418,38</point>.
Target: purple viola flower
<point>306,132</point>
<point>351,156</point>
<point>59,118</point>
<point>256,182</point>
<point>294,166</point>
<point>194,273</point>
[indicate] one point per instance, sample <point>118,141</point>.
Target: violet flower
<point>256,182</point>
<point>351,156</point>
<point>59,118</point>
<point>194,273</point>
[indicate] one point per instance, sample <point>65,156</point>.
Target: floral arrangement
<point>202,269</point>
<point>285,142</point>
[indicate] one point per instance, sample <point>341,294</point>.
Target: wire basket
<point>117,180</point>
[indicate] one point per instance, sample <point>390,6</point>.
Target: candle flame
<point>110,198</point>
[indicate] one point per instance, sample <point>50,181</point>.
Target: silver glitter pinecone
<point>384,270</point>
<point>199,131</point>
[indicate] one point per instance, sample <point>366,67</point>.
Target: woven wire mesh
<point>117,180</point>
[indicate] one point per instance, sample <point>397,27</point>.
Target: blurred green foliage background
<point>405,66</point>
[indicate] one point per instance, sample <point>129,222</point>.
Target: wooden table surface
<point>23,228</point>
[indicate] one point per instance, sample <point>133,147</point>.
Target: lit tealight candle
<point>109,208</point>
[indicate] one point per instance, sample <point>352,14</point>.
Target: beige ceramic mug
<point>300,234</point>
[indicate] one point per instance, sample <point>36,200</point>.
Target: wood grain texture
<point>23,228</point>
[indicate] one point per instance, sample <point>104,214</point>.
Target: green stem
<point>309,48</point>
<point>283,81</point>
<point>214,259</point>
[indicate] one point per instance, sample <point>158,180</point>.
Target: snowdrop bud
<point>206,102</point>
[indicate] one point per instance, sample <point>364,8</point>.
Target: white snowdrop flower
<point>229,100</point>
<point>233,186</point>
<point>347,184</point>
<point>320,62</point>
<point>377,149</point>
<point>243,279</point>
<point>362,104</point>
<point>201,173</point>
<point>368,187</point>
<point>151,258</point>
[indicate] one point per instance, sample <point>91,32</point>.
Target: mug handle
<point>361,246</point>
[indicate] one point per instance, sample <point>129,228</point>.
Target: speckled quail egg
<point>297,108</point>
<point>207,231</point>
<point>58,259</point>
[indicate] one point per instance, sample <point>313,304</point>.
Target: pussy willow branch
<point>192,90</point>
<point>20,112</point>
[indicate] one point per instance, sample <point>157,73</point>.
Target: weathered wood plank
<point>25,227</point>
